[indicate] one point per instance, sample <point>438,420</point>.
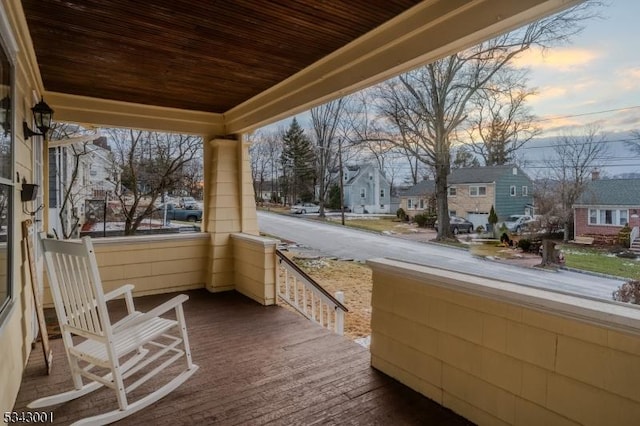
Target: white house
<point>366,189</point>
<point>77,174</point>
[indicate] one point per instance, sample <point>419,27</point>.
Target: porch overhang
<point>235,93</point>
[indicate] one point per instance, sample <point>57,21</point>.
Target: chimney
<point>595,175</point>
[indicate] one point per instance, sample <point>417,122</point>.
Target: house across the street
<point>606,205</point>
<point>472,191</point>
<point>366,189</point>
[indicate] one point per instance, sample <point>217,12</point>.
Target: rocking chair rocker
<point>121,349</point>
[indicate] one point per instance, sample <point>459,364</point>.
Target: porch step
<point>635,247</point>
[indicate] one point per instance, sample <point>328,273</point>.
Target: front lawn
<point>381,224</point>
<point>601,261</point>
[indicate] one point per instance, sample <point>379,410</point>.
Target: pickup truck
<point>176,213</point>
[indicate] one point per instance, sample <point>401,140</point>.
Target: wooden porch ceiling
<point>204,56</point>
<point>243,63</point>
<point>258,365</point>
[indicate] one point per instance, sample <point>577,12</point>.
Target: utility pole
<point>341,179</point>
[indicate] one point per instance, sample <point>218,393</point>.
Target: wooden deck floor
<point>258,365</point>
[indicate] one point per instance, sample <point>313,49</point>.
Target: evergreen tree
<point>298,164</point>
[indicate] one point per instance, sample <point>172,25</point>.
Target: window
<point>514,171</point>
<point>611,217</point>
<point>363,192</point>
<point>525,191</point>
<point>409,203</point>
<point>382,206</point>
<point>422,204</point>
<point>452,213</point>
<point>6,177</point>
<point>512,190</point>
<point>452,191</point>
<point>477,191</point>
<point>382,193</point>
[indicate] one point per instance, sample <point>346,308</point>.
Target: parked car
<point>189,203</point>
<point>176,213</point>
<point>305,208</point>
<point>458,225</point>
<point>518,222</point>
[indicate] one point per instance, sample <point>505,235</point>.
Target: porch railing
<point>634,235</point>
<point>309,298</point>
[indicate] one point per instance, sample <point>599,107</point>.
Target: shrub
<point>401,214</point>
<point>524,244</point>
<point>624,236</point>
<point>628,292</point>
<point>627,254</point>
<point>421,219</point>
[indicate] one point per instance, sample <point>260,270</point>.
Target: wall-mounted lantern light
<point>42,115</point>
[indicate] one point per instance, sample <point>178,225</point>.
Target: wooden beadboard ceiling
<point>195,55</point>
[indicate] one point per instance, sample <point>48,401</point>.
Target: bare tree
<point>575,158</point>
<point>326,121</point>
<point>500,123</point>
<point>428,105</point>
<point>70,182</point>
<point>152,163</point>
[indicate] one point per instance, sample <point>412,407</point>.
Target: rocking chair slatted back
<point>140,340</point>
<point>76,286</point>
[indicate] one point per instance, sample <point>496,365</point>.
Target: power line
<point>604,111</point>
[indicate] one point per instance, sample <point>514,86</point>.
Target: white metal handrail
<point>309,298</point>
<point>634,235</point>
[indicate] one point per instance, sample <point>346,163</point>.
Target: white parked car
<point>518,222</point>
<point>305,208</point>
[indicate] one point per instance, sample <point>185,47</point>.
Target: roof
<point>232,66</point>
<point>611,192</point>
<point>421,188</point>
<point>463,176</point>
<point>485,174</point>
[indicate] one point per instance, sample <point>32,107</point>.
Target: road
<point>333,240</point>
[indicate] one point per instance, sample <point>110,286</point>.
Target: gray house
<point>472,191</point>
<point>366,189</point>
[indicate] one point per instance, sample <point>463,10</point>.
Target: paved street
<point>334,240</point>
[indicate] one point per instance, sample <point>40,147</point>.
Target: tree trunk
<point>444,232</point>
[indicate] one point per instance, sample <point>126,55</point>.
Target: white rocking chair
<point>119,349</point>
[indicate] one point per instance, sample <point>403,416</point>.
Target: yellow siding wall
<point>255,267</point>
<point>17,322</point>
<point>222,210</point>
<point>154,264</point>
<point>498,353</point>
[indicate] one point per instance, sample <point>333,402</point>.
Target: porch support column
<point>249,218</point>
<point>222,210</point>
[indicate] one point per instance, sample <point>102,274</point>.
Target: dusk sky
<point>594,80</point>
<point>598,72</point>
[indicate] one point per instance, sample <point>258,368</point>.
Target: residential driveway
<point>334,240</point>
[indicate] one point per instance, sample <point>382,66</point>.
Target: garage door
<point>478,219</point>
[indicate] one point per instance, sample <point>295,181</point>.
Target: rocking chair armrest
<point>127,288</point>
<point>157,311</point>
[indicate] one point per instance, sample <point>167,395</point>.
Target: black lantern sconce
<point>42,115</point>
<point>28,193</point>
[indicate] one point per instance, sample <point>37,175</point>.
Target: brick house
<point>605,206</point>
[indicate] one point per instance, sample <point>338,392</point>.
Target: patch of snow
<point>364,341</point>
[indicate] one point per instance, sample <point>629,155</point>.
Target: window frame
<point>8,48</point>
<point>525,190</point>
<point>513,191</point>
<point>600,216</point>
<point>477,188</point>
<point>363,192</point>
<point>452,191</point>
